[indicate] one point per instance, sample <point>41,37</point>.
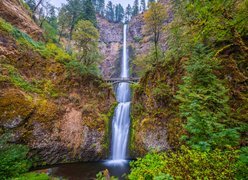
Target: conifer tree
<point>128,13</point>
<point>135,8</point>
<point>143,5</point>
<point>204,103</point>
<point>74,10</point>
<point>101,6</point>
<point>89,12</point>
<point>119,13</point>
<point>110,11</point>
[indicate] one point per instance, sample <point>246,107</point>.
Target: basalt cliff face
<point>110,44</point>
<point>153,121</point>
<point>60,115</point>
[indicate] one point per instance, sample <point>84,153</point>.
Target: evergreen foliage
<point>99,6</point>
<point>128,13</point>
<point>110,11</point>
<point>119,13</point>
<point>86,39</point>
<point>143,5</point>
<point>135,8</point>
<point>89,12</point>
<point>204,103</point>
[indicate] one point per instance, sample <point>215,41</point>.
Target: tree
<point>99,6</point>
<point>86,38</point>
<point>128,13</point>
<point>74,10</point>
<point>143,5</point>
<point>110,12</point>
<point>63,21</point>
<point>31,4</point>
<point>34,4</point>
<point>89,12</point>
<point>154,20</point>
<point>151,1</point>
<point>204,103</point>
<point>119,13</point>
<point>135,8</point>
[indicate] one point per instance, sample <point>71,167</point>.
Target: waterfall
<point>121,119</point>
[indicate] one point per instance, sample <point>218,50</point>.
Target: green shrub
<point>50,33</point>
<point>162,92</point>
<point>5,26</point>
<point>242,164</point>
<point>150,166</point>
<point>25,40</point>
<point>186,164</point>
<point>76,67</point>
<point>19,81</point>
<point>57,53</point>
<point>13,159</point>
<point>33,176</point>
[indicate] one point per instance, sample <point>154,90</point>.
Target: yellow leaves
<point>155,16</point>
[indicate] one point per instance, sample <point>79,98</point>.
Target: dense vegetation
<point>36,78</point>
<point>204,72</point>
<point>196,89</point>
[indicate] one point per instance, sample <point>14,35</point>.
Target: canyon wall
<point>45,103</point>
<point>110,44</point>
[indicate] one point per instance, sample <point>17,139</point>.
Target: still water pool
<point>88,171</point>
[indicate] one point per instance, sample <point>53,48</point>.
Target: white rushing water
<point>121,119</point>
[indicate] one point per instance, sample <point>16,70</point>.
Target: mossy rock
<point>15,108</point>
<point>46,111</point>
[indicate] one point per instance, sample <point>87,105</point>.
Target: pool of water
<point>88,171</point>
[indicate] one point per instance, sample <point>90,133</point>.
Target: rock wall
<point>14,12</point>
<point>153,122</point>
<point>110,44</point>
<point>61,115</point>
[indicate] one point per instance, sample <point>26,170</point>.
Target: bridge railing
<point>117,80</point>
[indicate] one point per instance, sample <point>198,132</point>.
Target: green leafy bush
<point>57,53</point>
<point>33,176</point>
<point>50,33</point>
<point>75,66</point>
<point>150,166</point>
<point>185,164</point>
<point>13,159</point>
<point>5,26</point>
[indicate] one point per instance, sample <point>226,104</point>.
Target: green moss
<point>4,26</point>
<point>15,104</point>
<point>107,121</point>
